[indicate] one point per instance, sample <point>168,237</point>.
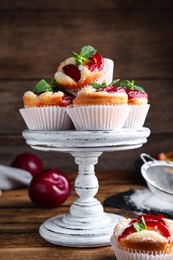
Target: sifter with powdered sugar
<point>159,177</point>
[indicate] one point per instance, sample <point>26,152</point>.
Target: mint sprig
<point>98,85</point>
<point>103,84</point>
<point>130,85</point>
<point>141,225</point>
<point>42,86</point>
<point>84,55</point>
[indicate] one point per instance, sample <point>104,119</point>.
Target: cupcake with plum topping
<point>138,100</point>
<point>45,108</point>
<point>81,69</point>
<point>99,107</point>
<point>146,237</point>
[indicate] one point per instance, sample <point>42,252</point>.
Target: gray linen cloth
<point>12,178</point>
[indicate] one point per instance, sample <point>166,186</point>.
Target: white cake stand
<point>86,225</point>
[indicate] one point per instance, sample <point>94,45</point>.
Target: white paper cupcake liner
<point>98,117</point>
<point>126,255</point>
<point>46,118</point>
<point>137,116</point>
<point>109,68</point>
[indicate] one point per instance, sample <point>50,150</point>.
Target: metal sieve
<point>159,177</point>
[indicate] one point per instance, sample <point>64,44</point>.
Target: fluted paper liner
<point>46,118</point>
<point>108,75</point>
<point>137,116</point>
<point>109,68</point>
<point>127,255</point>
<point>98,117</point>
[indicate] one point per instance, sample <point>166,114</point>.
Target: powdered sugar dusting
<point>145,199</point>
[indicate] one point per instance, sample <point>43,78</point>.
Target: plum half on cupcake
<point>145,237</point>
<point>45,108</point>
<point>81,69</point>
<point>138,99</point>
<point>100,107</point>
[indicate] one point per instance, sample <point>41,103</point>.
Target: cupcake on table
<point>100,106</point>
<point>45,108</point>
<point>146,237</point>
<point>138,100</point>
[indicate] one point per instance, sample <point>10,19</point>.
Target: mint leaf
<point>84,55</point>
<point>141,225</point>
<point>98,85</point>
<point>103,84</point>
<point>42,86</point>
<point>87,51</point>
<point>79,59</point>
<point>114,82</point>
<point>125,83</point>
<point>130,85</point>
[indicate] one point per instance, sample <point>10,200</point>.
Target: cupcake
<point>99,107</point>
<point>146,237</point>
<point>81,69</point>
<point>138,99</point>
<point>45,108</point>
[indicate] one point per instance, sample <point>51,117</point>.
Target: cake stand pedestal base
<point>87,225</point>
<point>95,233</point>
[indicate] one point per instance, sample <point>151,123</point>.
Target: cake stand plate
<point>86,224</point>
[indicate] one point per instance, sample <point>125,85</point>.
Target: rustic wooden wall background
<point>36,35</point>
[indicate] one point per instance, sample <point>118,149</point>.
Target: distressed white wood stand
<point>86,225</point>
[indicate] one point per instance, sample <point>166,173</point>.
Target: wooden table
<point>20,221</point>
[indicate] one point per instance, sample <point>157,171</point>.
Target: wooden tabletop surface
<point>20,221</point>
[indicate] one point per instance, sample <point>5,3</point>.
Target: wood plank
<point>13,228</point>
<point>51,253</point>
<point>140,44</point>
<point>82,4</point>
